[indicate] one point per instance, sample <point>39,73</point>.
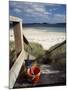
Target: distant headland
<point>44,25</point>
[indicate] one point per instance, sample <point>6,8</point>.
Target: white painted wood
<point>14,72</point>
<point>19,46</point>
<point>14,19</point>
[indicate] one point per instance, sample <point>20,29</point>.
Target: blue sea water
<point>50,29</point>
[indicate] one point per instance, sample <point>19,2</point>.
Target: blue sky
<point>31,12</point>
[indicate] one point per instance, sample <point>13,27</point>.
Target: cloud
<point>52,9</point>
<point>37,11</point>
<point>52,5</point>
<point>59,15</point>
<point>17,10</point>
<point>36,8</point>
<point>59,18</point>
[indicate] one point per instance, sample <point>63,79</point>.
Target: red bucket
<point>34,72</point>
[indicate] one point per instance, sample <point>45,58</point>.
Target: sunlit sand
<point>45,38</point>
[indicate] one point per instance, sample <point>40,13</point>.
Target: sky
<point>33,12</point>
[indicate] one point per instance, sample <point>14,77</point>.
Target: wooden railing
<point>59,45</point>
<point>58,53</point>
<point>20,52</point>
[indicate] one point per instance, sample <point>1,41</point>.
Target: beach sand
<point>45,38</point>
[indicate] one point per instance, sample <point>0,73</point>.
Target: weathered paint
<point>14,71</point>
